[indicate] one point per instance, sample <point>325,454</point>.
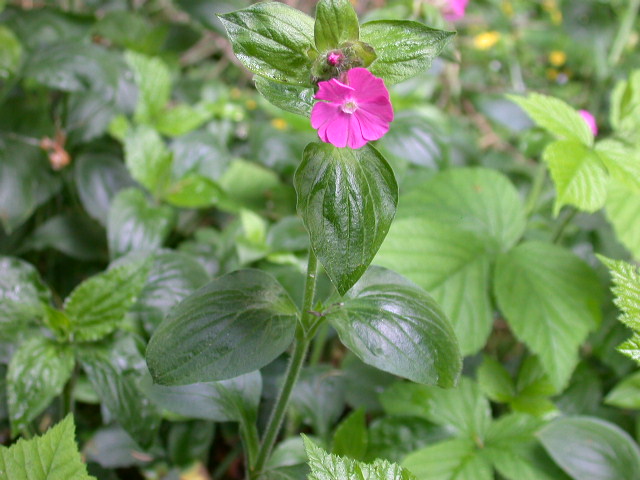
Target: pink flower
<point>354,112</point>
<point>454,9</point>
<point>591,121</point>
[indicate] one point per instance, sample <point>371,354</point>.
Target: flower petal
<point>355,139</point>
<point>337,130</point>
<point>334,91</point>
<point>380,107</point>
<point>323,112</point>
<point>367,86</point>
<point>372,127</point>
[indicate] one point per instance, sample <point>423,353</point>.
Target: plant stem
<point>622,37</point>
<point>250,441</point>
<point>67,394</point>
<point>536,188</point>
<point>300,348</point>
<point>564,223</point>
<point>319,343</point>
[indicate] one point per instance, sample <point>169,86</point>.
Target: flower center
<point>349,106</point>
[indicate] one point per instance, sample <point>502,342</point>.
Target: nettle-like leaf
<point>272,40</point>
<point>557,117</point>
<point>393,325</point>
<point>148,159</point>
<point>235,324</point>
<point>153,78</point>
<point>37,373</point>
<point>623,210</point>
<point>325,466</point>
<point>52,456</point>
<point>347,199</point>
<point>98,305</point>
<point>403,48</point>
<point>622,162</point>
<point>551,300</point>
<point>626,281</point>
<point>336,23</point>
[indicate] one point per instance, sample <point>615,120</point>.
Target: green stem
<point>536,188</point>
<point>319,343</point>
<point>622,37</point>
<point>562,226</point>
<point>67,393</point>
<point>250,441</point>
<point>300,348</point>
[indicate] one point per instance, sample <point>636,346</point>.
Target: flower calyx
<point>333,63</point>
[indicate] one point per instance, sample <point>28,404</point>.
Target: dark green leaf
<point>551,299</point>
<point>199,152</point>
<point>586,447</point>
<point>38,371</point>
<point>272,40</point>
<point>236,324</point>
<point>336,23</point>
<point>404,48</point>
<point>119,392</point>
<point>98,305</point>
<point>394,325</point>
<point>350,438</point>
<point>347,199</point>
<point>232,400</point>
<point>112,447</point>
<point>10,53</point>
<point>291,98</point>
<point>137,224</point>
<point>52,456</point>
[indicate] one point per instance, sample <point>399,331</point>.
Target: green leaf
<point>182,119</point>
<point>477,200</point>
<point>622,162</point>
<point>98,305</point>
<point>591,448</point>
<point>193,191</point>
<point>495,381</point>
<point>403,48</point>
<point>153,79</point>
<point>99,177</point>
<point>456,459</point>
<point>135,224</point>
<point>623,210</point>
<point>449,263</point>
<point>393,438</point>
<point>131,30</point>
<point>236,324</point>
<point>52,456</point>
<point>120,393</point>
<point>350,438</point>
<point>247,185</point>
<point>392,324</point>
<point>232,400</point>
<point>556,117</point>
<point>148,159</point>
<point>291,98</point>
<point>325,466</point>
<point>336,23</point>
<point>37,373</point>
<point>272,39</point>
<point>578,175</point>
<point>22,294</point>
<point>631,348</point>
<point>347,199</point>
<point>625,104</point>
<point>10,53</point>
<point>626,394</point>
<point>173,276</point>
<point>551,300</point>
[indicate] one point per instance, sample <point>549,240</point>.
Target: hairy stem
<point>626,27</point>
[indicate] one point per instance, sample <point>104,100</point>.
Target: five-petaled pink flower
<point>454,9</point>
<point>354,112</point>
<point>590,119</point>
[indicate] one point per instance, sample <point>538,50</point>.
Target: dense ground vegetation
<point>154,205</point>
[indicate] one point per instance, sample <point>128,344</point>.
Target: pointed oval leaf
<point>235,324</point>
<point>347,199</point>
<point>403,48</point>
<point>291,98</point>
<point>272,40</point>
<point>336,22</point>
<point>591,448</point>
<point>394,325</point>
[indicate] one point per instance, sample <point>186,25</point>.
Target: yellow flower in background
<point>251,104</point>
<point>551,6</point>
<point>486,40</point>
<point>279,123</point>
<point>557,58</point>
<point>507,8</point>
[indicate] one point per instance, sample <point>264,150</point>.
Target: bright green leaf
<point>551,300</point>
<point>153,79</point>
<point>495,381</point>
<point>392,324</point>
<point>182,119</point>
<point>622,162</point>
<point>38,371</point>
<point>403,48</point>
<point>578,175</point>
<point>556,117</point>
<point>136,224</point>
<point>236,324</point>
<point>98,305</point>
<point>350,438</point>
<point>10,53</point>
<point>347,199</point>
<point>148,158</point>
<point>586,447</point>
<point>272,39</point>
<point>52,456</point>
<point>193,191</point>
<point>623,210</point>
<point>626,394</point>
<point>336,23</point>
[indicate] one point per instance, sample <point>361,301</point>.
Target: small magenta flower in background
<point>354,112</point>
<point>454,10</point>
<point>591,121</point>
